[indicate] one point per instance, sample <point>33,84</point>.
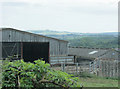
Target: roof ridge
<point>88,47</point>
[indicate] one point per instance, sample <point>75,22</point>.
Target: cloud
<point>16,4</point>
<point>86,15</point>
<point>67,2</point>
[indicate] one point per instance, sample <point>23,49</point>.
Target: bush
<point>34,75</point>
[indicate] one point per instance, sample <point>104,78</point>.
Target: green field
<point>98,82</point>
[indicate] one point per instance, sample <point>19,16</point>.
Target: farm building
<point>89,54</point>
<point>30,46</point>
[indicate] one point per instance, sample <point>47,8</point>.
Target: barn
<point>30,46</point>
<point>83,54</point>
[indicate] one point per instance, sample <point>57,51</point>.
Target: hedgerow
<point>35,75</point>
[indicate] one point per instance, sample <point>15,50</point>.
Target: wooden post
<point>21,50</point>
<point>17,50</point>
<point>93,67</point>
<point>63,66</point>
<point>105,71</point>
<point>77,68</point>
<point>102,68</point>
<point>114,69</point>
<point>90,67</point>
<point>48,53</point>
<point>108,69</point>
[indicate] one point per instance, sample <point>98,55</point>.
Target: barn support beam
<point>21,50</point>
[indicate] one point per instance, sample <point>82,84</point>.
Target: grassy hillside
<point>94,40</point>
<point>97,42</point>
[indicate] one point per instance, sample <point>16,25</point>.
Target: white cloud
<point>84,15</point>
<point>65,1</point>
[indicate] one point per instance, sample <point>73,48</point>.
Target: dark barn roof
<point>92,53</point>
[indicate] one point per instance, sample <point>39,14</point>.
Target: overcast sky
<point>60,15</point>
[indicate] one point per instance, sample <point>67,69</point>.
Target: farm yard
<point>41,61</point>
<point>62,44</point>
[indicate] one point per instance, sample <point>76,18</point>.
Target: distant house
<point>90,54</point>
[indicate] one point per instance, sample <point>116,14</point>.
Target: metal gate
<point>11,49</point>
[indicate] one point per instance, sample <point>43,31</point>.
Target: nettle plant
<point>34,75</point>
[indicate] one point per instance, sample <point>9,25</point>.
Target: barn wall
<point>57,47</point>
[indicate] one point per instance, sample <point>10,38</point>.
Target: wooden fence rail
<point>61,59</point>
<point>99,67</point>
<point>105,68</point>
<point>75,68</point>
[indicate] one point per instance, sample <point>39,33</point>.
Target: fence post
<point>90,67</point>
<point>77,68</point>
<point>63,67</point>
<point>93,67</point>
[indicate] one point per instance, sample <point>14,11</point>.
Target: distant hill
<point>57,34</point>
<point>50,32</point>
<point>66,35</point>
<point>93,40</point>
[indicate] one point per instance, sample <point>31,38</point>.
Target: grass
<point>99,82</point>
<point>90,80</point>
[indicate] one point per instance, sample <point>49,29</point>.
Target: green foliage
<point>34,75</point>
<point>95,42</point>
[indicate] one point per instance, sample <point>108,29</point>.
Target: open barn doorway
<point>29,51</point>
<point>35,50</point>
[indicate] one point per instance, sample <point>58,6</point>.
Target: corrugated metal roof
<point>33,34</point>
<point>110,54</point>
<point>93,52</point>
